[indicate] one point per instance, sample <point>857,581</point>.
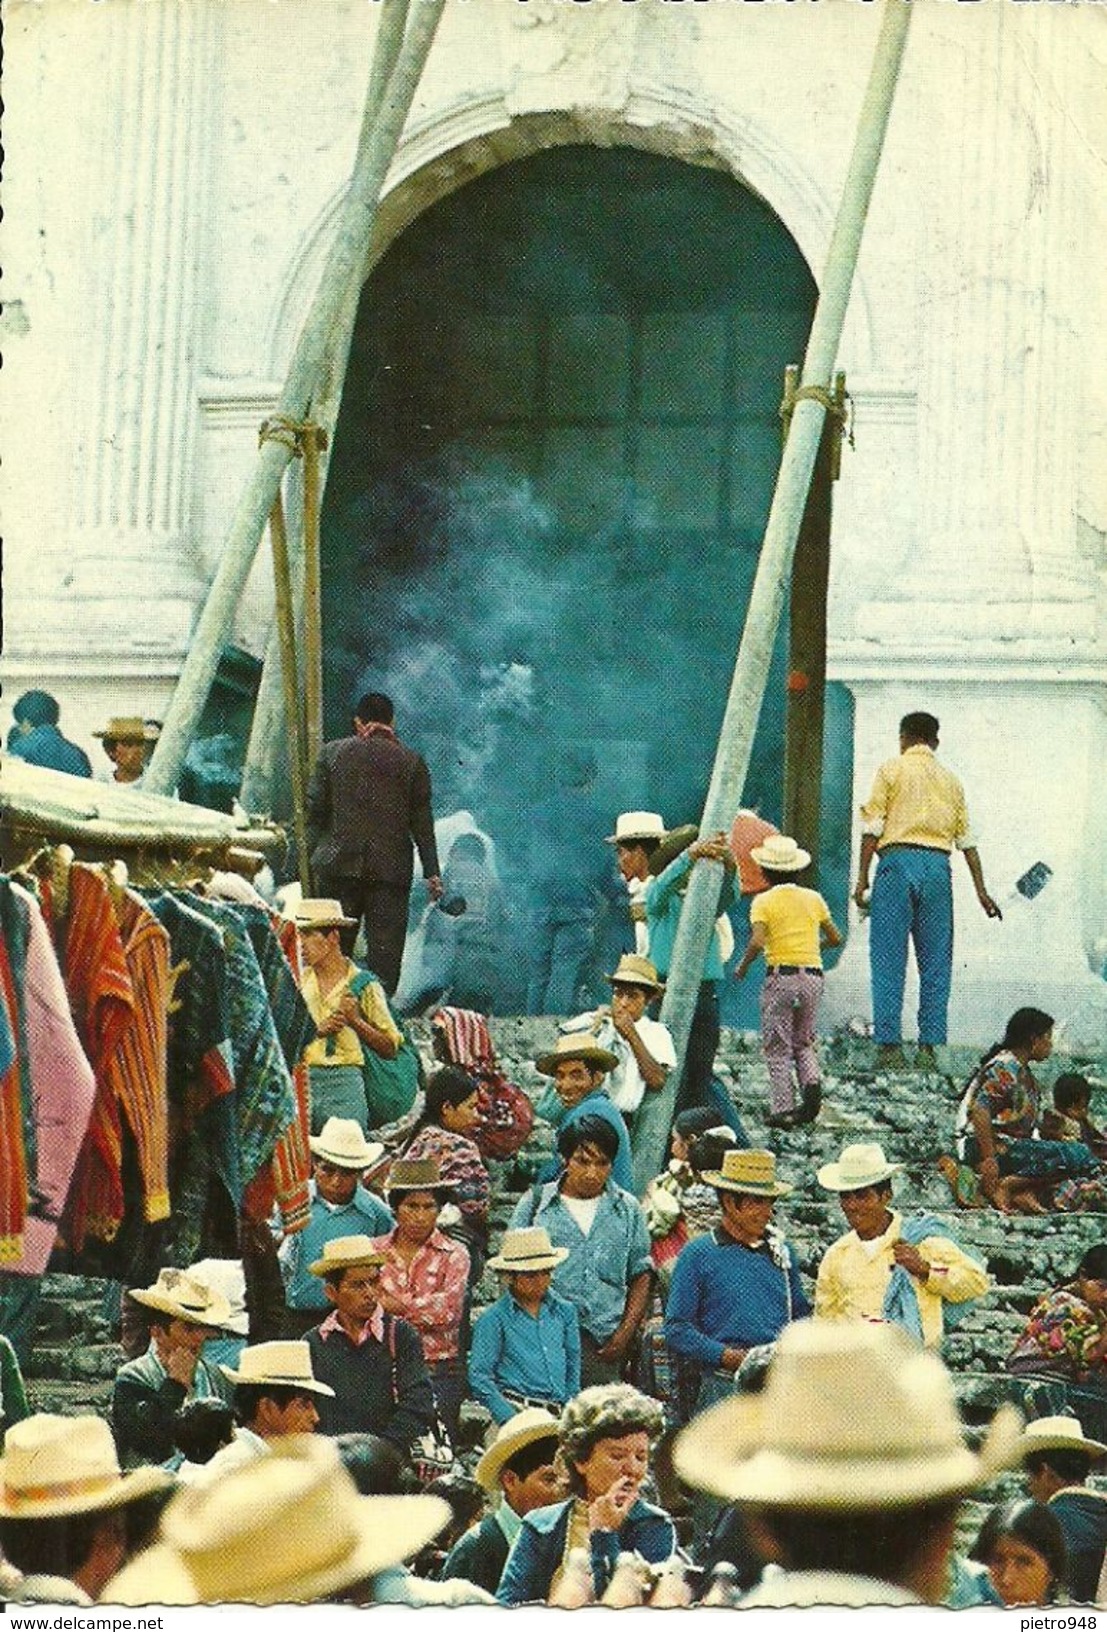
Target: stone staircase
<point>911,1116</point>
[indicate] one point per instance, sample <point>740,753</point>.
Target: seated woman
<point>605,1436</point>
<point>424,1278</point>
<point>444,1134</point>
<point>1022,1546</point>
<point>1062,1352</point>
<point>999,1119</point>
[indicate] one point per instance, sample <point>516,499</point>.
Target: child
<point>1069,1119</point>
<point>789,924</point>
<point>526,1347</point>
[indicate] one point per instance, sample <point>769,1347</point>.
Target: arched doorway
<point>551,473</point>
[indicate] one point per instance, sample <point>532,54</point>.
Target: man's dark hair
<point>375,709</point>
<point>884,1543</point>
<point>1071,1466</point>
<point>50,1546</point>
<point>695,1120</point>
<point>248,1398</point>
<point>919,727</point>
<point>376,1467</point>
<point>202,1427</point>
<point>1069,1090</point>
<point>538,1454</point>
<point>36,708</point>
<point>1093,1265</point>
<point>706,1152</point>
<point>589,1130</point>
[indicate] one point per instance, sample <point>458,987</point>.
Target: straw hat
<point>1058,1434</point>
<point>748,1173</point>
<point>319,912</point>
<point>179,1293</point>
<point>635,971</point>
<point>858,1167</point>
<point>347,1252</point>
<point>285,1364</point>
<point>523,1250</point>
<point>636,824</point>
<point>513,1436</point>
<point>852,1416</point>
<point>341,1142</point>
<point>781,854</point>
<point>574,1046</point>
<point>287,1528</point>
<point>423,1174</point>
<point>128,728</point>
<point>54,1467</point>
<point>227,1277</point>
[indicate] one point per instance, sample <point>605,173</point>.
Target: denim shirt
<point>597,1274</point>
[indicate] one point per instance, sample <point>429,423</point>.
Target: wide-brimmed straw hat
<point>636,824</point>
<point>748,1173</point>
<point>283,1364</point>
<point>523,1429</point>
<point>341,1142</point>
<point>227,1277</point>
<point>780,854</point>
<point>129,728</point>
<point>347,1252</point>
<point>525,1250</point>
<point>1058,1434</point>
<point>54,1467</point>
<point>574,1046</point>
<point>287,1528</point>
<point>635,971</point>
<point>852,1416</point>
<point>319,912</point>
<point>179,1293</point>
<point>858,1167</point>
<point>422,1174</point>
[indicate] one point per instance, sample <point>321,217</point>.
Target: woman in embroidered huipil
<point>1063,1346</point>
<point>444,1134</point>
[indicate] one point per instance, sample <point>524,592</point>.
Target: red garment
<point>430,1290</point>
<point>749,830</point>
<point>138,1071</point>
<point>13,1155</point>
<point>102,999</point>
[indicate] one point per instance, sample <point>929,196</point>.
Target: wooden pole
<point>286,628</point>
<point>313,599</point>
<point>266,745</point>
<point>345,265</point>
<point>755,652</point>
<point>803,735</point>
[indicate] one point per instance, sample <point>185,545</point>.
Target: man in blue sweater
<point>738,1287</point>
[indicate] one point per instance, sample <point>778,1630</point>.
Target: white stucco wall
<point>173,178</point>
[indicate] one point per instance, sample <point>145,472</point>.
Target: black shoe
<point>812,1101</point>
<point>786,1120</point>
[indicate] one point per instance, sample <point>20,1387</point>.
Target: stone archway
<point>552,467</point>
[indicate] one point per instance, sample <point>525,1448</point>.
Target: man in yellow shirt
<point>858,1279</point>
<point>914,817</point>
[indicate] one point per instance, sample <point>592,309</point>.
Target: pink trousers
<point>789,1003</point>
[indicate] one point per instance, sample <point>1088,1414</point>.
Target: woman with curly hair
<point>605,1436</point>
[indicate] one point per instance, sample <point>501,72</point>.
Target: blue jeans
<point>561,949</point>
<point>912,900</point>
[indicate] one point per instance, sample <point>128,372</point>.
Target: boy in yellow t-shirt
<point>790,924</point>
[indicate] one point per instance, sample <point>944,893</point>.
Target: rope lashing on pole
<point>838,404</point>
<point>751,670</point>
<point>345,264</point>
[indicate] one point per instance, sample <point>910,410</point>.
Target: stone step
<point>70,1397</point>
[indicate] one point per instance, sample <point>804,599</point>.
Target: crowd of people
<point>659,1406</point>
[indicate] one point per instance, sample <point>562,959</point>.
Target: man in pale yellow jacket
<point>889,1268</point>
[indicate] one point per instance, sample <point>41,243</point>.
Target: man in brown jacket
<point>369,802</point>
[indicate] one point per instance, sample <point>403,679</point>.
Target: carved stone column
<point>127,542</point>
